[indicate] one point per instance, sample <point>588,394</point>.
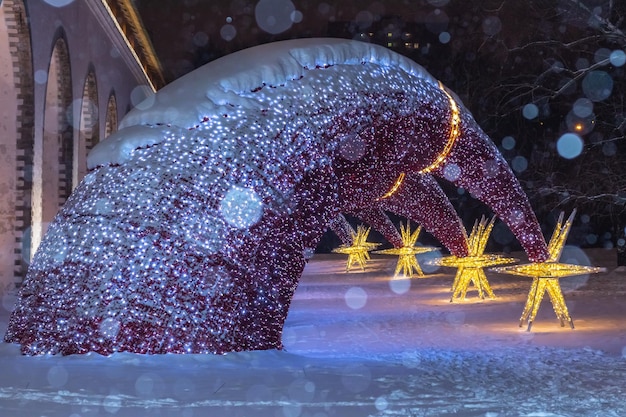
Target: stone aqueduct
<point>69,70</point>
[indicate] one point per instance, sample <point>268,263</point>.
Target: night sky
<point>188,33</point>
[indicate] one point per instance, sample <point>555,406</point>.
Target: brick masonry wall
<point>111,116</point>
<point>66,122</point>
<point>20,48</point>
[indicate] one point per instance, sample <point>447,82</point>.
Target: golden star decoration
<point>407,254</point>
<point>546,276</point>
<point>358,252</point>
<point>470,268</point>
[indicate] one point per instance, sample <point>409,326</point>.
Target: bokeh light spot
<point>41,77</point>
<point>597,85</point>
<point>601,54</point>
<point>609,149</point>
<point>85,107</point>
<point>617,58</point>
<point>200,39</point>
<point>241,207</point>
<point>109,328</point>
<point>364,19</point>
<point>112,404</point>
<point>574,255</point>
<point>296,16</point>
<point>59,3</point>
<point>355,298</point>
<point>491,168</point>
<point>323,8</point>
<point>444,37</point>
<point>582,63</point>
<point>57,376</point>
<point>530,111</point>
<point>437,21</point>
<point>142,97</point>
<point>400,285</point>
<point>114,52</point>
<point>381,403</point>
<point>580,125</point>
<point>508,143</point>
<point>451,172</point>
<point>569,145</point>
<point>352,147</point>
<point>274,16</point>
<point>492,25</point>
<point>519,164</point>
<point>228,32</point>
<point>144,385</point>
<point>583,107</point>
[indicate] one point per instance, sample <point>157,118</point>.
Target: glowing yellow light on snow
<point>394,188</point>
<point>470,268</point>
<point>546,276</point>
<point>407,254</point>
<point>358,252</point>
<point>455,131</point>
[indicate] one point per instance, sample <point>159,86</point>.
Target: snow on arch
<point>296,56</point>
<point>214,88</point>
<point>223,80</point>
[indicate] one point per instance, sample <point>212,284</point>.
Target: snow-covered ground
<point>362,344</point>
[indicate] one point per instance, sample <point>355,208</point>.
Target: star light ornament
<point>358,252</point>
<point>407,254</point>
<point>471,267</point>
<point>546,276</point>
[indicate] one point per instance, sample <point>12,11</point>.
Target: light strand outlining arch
<point>455,131</point>
<point>393,188</point>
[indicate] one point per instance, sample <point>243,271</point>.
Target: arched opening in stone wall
<point>88,130</point>
<point>54,148</point>
<point>8,133</point>
<point>16,142</point>
<point>110,124</point>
